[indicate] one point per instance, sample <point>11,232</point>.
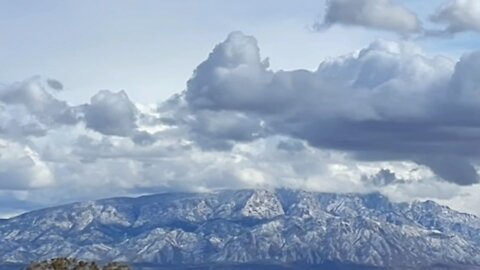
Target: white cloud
<point>240,124</point>
<point>458,16</point>
<point>21,168</point>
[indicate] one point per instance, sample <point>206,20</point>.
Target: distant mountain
<point>283,229</point>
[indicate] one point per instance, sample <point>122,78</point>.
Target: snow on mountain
<point>247,226</point>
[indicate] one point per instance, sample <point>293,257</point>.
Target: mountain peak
<point>262,204</point>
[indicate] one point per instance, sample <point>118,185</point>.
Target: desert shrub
<point>74,264</point>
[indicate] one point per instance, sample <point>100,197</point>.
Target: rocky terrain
<point>281,228</point>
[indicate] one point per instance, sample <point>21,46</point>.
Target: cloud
<point>21,168</point>
<point>376,14</point>
<point>111,113</point>
<point>17,122</point>
<point>458,16</point>
<point>456,169</point>
<point>233,76</point>
<point>219,130</point>
<point>54,84</point>
<point>384,177</point>
<point>33,96</point>
<point>29,108</point>
<point>291,146</point>
<point>240,124</point>
<point>388,102</point>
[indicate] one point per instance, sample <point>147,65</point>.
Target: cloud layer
<point>388,117</point>
<point>388,102</point>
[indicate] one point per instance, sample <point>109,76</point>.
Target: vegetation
<point>74,264</point>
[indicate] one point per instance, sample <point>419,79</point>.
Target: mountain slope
<point>248,226</point>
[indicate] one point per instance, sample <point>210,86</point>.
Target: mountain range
<point>253,229</point>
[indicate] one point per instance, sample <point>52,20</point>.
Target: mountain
<point>284,229</point>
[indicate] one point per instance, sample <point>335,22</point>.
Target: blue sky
<point>141,47</point>
<point>150,47</point>
<point>131,45</point>
<point>237,123</point>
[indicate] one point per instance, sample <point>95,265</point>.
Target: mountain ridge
<point>247,226</point>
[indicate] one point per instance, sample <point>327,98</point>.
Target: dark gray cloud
<point>458,16</point>
<point>220,129</point>
<point>389,102</point>
<point>456,169</point>
<point>291,146</point>
<point>54,84</point>
<point>111,114</point>
<point>383,178</point>
<point>376,14</point>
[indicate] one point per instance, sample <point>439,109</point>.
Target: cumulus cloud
<point>388,102</point>
<point>33,96</point>
<point>458,16</point>
<point>30,109</point>
<point>21,168</point>
<point>240,124</point>
<point>233,76</point>
<point>376,14</point>
<point>111,113</point>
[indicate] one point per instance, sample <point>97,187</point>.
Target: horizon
<point>101,100</point>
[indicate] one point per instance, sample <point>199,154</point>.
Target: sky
<point>122,98</point>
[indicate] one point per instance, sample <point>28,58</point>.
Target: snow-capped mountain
<point>282,227</point>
